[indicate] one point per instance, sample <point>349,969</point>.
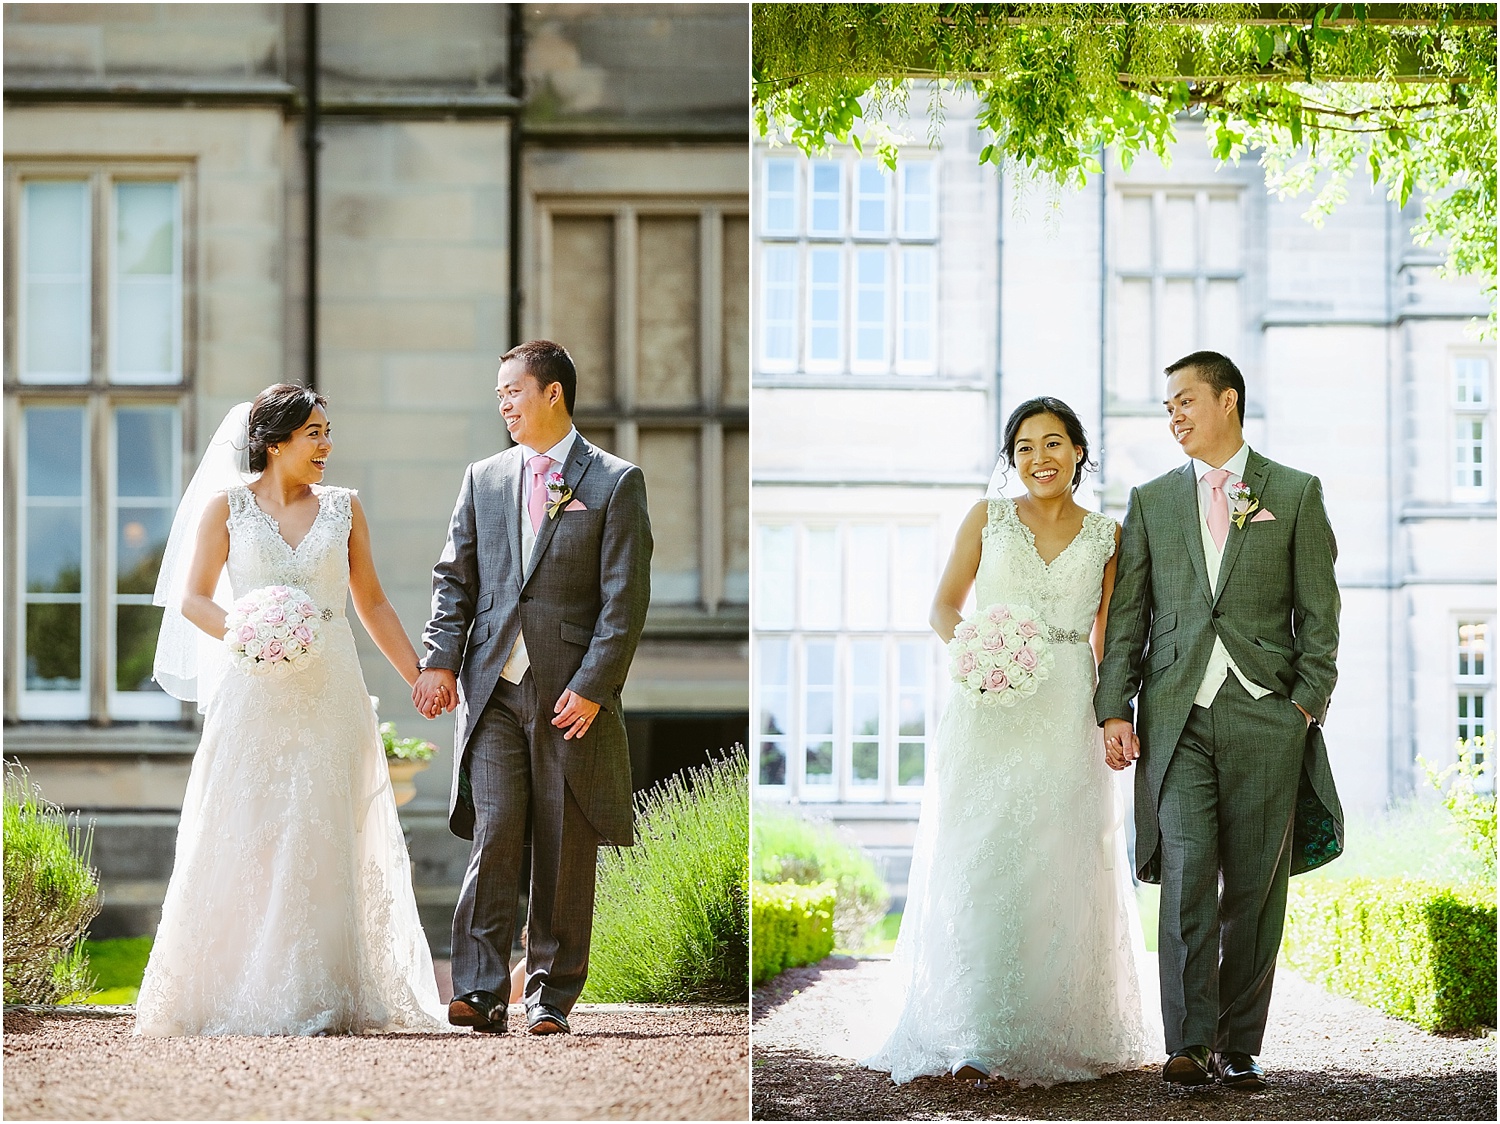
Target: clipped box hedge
<point>791,924</point>
<point>1421,951</point>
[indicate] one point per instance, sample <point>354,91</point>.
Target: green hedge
<point>788,848</point>
<point>792,924</point>
<point>1421,951</point>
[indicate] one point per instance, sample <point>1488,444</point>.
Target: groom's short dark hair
<point>548,363</point>
<point>1219,372</point>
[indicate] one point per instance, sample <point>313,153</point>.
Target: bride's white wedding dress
<point>1020,944</point>
<point>290,908</point>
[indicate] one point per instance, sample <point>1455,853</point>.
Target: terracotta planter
<point>402,772</point>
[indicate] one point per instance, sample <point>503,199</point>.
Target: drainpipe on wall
<point>310,141</point>
<point>1103,318</point>
<point>516,52</point>
<point>1000,172</point>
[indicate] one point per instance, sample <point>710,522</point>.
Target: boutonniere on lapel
<point>1244,504</point>
<point>558,494</point>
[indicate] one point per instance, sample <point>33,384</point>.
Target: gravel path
<point>619,1064</point>
<point>1327,1058</point>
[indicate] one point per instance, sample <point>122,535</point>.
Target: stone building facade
<point>471,175</point>
<point>1360,364</point>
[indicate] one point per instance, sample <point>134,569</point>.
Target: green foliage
<point>1321,94</point>
<point>51,894</point>
<point>671,915</point>
<point>118,966</point>
<point>1470,799</point>
<point>404,749</point>
<point>793,925</point>
<point>789,848</point>
<point>1417,950</point>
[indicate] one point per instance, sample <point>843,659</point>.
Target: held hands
<point>435,692</point>
<point>575,714</point>
<point>1121,746</point>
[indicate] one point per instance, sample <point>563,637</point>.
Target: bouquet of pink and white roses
<point>273,630</point>
<point>999,655</point>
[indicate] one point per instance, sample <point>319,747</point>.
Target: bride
<point>1020,953</point>
<point>290,908</point>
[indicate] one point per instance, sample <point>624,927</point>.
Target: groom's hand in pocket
<point>1121,746</point>
<point>575,714</point>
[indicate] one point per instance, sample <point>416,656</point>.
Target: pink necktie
<point>1218,505</point>
<point>536,501</point>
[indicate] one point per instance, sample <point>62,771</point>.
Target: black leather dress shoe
<point>543,1019</point>
<point>1239,1071</point>
<point>483,1010</point>
<point>1188,1066</point>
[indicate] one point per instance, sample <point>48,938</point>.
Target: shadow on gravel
<point>793,1086</point>
<point>776,991</point>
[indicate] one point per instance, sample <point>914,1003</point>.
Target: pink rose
<point>1028,629</point>
<point>273,615</point>
<point>247,632</point>
<point>279,592</point>
<point>307,609</point>
<point>996,680</point>
<point>303,633</point>
<point>965,631</point>
<point>998,613</point>
<point>1026,658</point>
<point>993,642</point>
<point>967,662</point>
<point>273,651</point>
<point>244,605</point>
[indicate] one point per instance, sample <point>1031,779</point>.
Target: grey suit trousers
<point>516,775</point>
<point>1226,836</point>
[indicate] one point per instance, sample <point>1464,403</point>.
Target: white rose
<point>281,631</point>
<point>252,648</point>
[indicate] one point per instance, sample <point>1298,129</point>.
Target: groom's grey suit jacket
<point>1276,608</point>
<point>581,602</point>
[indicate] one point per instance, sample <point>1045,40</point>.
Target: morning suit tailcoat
<point>581,602</point>
<point>1276,609</point>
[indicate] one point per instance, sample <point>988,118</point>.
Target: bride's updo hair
<point>277,413</point>
<point>1063,413</point>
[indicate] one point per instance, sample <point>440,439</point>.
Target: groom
<point>537,604</point>
<point>1225,622</point>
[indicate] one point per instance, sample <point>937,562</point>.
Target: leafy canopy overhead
<point>1405,92</point>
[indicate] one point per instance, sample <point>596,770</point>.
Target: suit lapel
<point>1257,468</point>
<point>1187,505</point>
<point>578,463</point>
<point>510,488</point>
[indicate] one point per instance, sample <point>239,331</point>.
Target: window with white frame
<point>95,385</point>
<point>847,266</point>
<point>844,665</point>
<point>1473,428</point>
<point>1177,282</point>
<point>1474,680</point>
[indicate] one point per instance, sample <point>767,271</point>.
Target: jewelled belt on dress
<point>1066,636</point>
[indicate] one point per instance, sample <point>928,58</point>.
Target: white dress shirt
<point>518,661</point>
<point>1219,663</point>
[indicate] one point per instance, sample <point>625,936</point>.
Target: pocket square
<point>1262,516</point>
<point>576,505</point>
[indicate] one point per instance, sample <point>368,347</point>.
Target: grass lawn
<point>117,966</point>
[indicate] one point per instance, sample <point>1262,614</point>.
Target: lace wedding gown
<point>290,908</point>
<point>1020,944</point>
